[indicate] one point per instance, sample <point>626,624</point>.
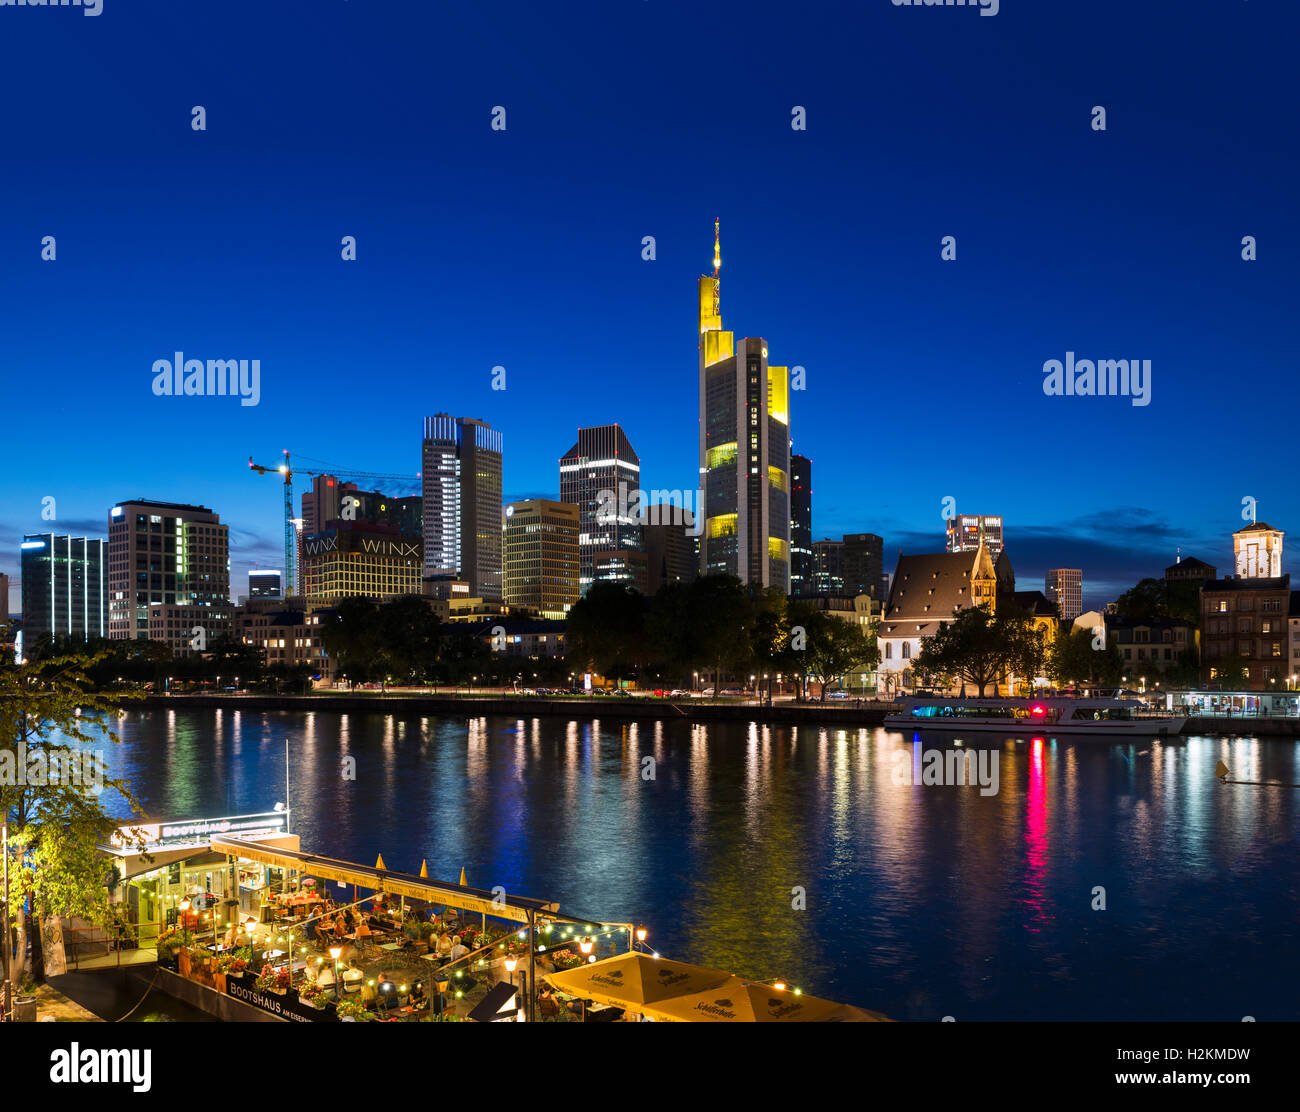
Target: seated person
<point>325,975</point>
<point>444,944</point>
<point>458,950</point>
<point>419,998</point>
<point>363,930</point>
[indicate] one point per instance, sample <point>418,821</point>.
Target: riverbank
<point>835,714</point>
<point>529,706</point>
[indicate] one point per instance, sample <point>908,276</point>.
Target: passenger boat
<point>1102,717</point>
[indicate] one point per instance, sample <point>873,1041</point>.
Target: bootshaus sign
<point>285,1005</point>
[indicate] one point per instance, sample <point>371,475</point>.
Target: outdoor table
<point>390,946</point>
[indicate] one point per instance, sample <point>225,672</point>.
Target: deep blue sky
<point>642,117</point>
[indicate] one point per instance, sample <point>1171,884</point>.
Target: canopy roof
<point>633,980</point>
<point>514,908</point>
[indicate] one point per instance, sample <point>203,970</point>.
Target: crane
<point>290,533</point>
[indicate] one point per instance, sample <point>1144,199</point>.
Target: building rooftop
<point>1242,583</point>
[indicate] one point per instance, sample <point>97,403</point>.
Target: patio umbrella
<point>631,981</point>
<point>424,869</point>
<point>463,882</point>
<point>379,863</point>
<point>740,1001</point>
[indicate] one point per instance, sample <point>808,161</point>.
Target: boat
<point>1100,717</point>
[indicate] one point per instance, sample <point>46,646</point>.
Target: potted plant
<point>265,982</point>
<point>314,995</point>
<point>353,1011</point>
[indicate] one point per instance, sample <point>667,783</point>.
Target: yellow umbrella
<point>632,981</point>
<point>379,863</point>
<point>740,1001</point>
<point>850,1014</point>
<point>463,882</point>
<point>424,869</point>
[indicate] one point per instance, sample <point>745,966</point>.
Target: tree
<point>719,618</point>
<point>351,638</point>
<point>1074,660</point>
<point>606,628</point>
<point>408,630</point>
<point>979,647</point>
<point>1159,598</point>
<point>835,647</point>
<point>51,715</point>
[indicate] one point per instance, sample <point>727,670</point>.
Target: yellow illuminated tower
<point>744,449</point>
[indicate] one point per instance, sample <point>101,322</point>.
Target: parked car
<point>679,693</point>
<point>837,695</point>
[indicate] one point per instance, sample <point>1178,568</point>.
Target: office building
<point>1064,586</point>
<point>622,565</point>
<point>967,531</point>
<point>168,574</point>
<point>601,475</point>
<point>265,584</point>
<point>64,589</point>
<point>828,568</point>
<point>864,558</point>
<point>540,556</point>
<point>4,597</point>
<point>359,558</point>
<point>744,450</point>
<point>461,513</point>
<point>1190,570</point>
<point>801,534</point>
<point>670,549</point>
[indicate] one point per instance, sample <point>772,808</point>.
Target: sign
<point>187,832</point>
<point>243,986</point>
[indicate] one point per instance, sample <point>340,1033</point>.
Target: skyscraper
<point>967,530</point>
<point>744,450</point>
<point>64,590</point>
<point>801,552</point>
<point>462,502</point>
<point>864,560</point>
<point>266,584</point>
<point>828,568</point>
<point>1064,586</point>
<point>601,475</point>
<point>168,574</point>
<point>541,556</point>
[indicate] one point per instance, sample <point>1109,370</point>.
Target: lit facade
<point>168,573</point>
<point>64,589</point>
<point>801,534</point>
<point>744,450</point>
<point>461,502</point>
<point>1257,551</point>
<point>601,476</point>
<point>966,532</point>
<point>540,553</point>
<point>1064,586</point>
<point>358,558</point>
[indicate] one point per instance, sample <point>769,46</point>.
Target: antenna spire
<point>717,249</point>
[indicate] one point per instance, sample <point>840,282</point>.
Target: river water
<point>796,852</point>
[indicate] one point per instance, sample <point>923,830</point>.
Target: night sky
<point>522,248</point>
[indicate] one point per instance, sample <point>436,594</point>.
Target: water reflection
<point>795,853</point>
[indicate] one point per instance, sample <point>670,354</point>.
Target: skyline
<point>522,249</point>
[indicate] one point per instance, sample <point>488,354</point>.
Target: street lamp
<point>335,951</point>
<point>511,962</point>
<point>585,946</point>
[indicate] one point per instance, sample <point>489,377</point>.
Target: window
<point>889,650</point>
<point>907,650</point>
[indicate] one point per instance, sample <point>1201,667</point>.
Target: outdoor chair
<point>549,1007</point>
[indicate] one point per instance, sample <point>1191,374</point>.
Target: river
<point>795,852</point>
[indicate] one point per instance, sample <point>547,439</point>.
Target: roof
<point>1037,603</point>
<point>928,588</point>
<point>1119,621</point>
<point>1257,527</point>
<point>1191,563</point>
<point>1243,583</point>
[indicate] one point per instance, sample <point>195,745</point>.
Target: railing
<point>98,947</point>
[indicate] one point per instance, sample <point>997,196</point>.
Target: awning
<point>631,981</point>
<point>740,1001</point>
<point>500,1005</point>
<point>514,908</point>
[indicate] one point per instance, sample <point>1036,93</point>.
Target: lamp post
<point>335,951</point>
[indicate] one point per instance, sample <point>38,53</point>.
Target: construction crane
<point>290,521</point>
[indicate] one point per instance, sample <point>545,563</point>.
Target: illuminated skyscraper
<point>64,588</point>
<point>601,475</point>
<point>461,522</point>
<point>801,542</point>
<point>967,531</point>
<point>744,450</point>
